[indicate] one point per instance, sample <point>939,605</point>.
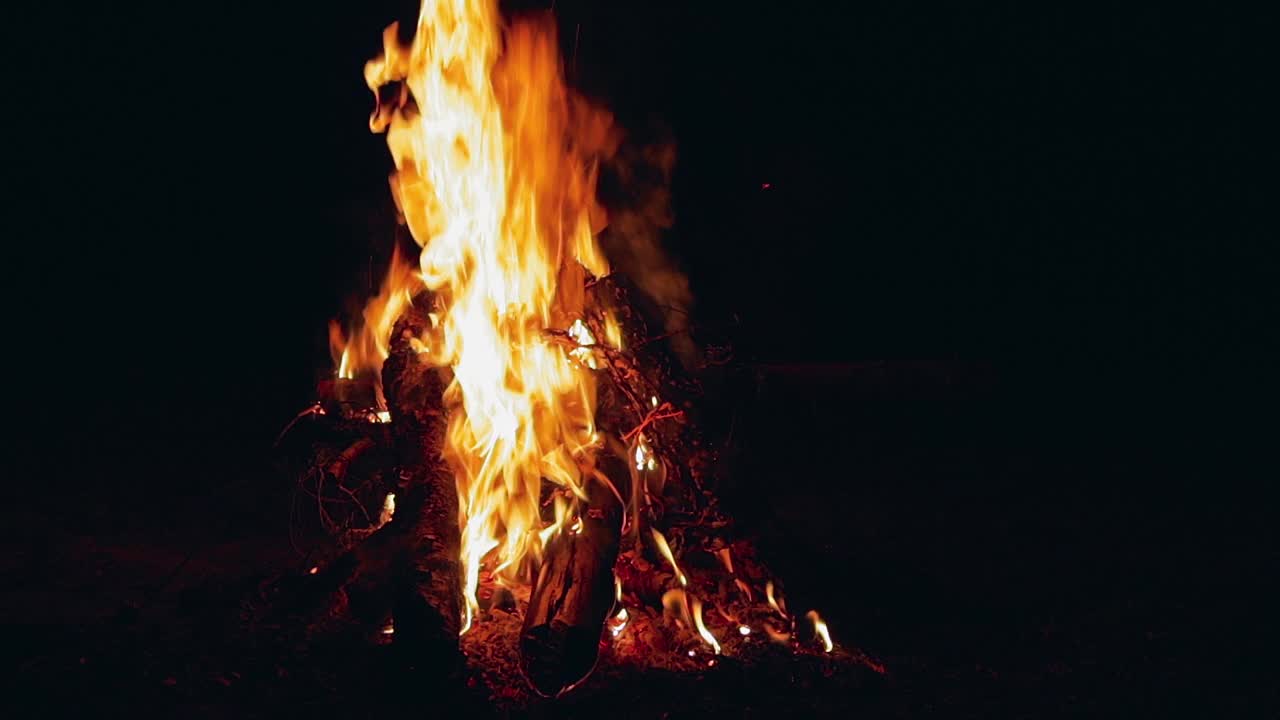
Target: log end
<point>557,656</point>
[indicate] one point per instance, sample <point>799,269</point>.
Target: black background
<point>1072,196</point>
<point>1070,199</point>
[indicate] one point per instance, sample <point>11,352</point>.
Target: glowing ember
<point>744,630</point>
<point>820,627</point>
<point>388,509</point>
<point>665,549</point>
<point>389,628</point>
<point>619,622</point>
<point>313,571</point>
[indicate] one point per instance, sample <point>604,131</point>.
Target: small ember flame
<point>665,549</point>
<point>702,629</point>
<point>773,602</point>
<point>726,559</point>
<point>820,628</point>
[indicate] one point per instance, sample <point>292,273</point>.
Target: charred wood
<point>426,586</point>
<point>573,593</point>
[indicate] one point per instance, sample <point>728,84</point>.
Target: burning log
<point>405,568</point>
<point>573,593</point>
<point>426,584</point>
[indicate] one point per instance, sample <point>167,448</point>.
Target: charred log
<point>404,568</point>
<point>426,586</point>
<point>573,593</point>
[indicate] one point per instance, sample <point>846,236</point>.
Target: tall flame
<point>495,178</point>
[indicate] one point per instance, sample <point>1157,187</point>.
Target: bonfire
<point>512,475</point>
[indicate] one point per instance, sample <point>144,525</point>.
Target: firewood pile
<point>651,578</point>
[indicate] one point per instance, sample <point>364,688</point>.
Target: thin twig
<point>653,416</point>
<point>356,500</point>
<point>315,409</point>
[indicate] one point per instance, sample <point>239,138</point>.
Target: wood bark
<point>573,593</point>
<point>426,582</point>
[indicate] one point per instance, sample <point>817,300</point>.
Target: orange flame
<point>726,559</point>
<point>495,178</point>
<point>367,345</point>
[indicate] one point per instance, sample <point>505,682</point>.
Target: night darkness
<point>998,270</point>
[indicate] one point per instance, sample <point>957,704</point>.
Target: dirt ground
<point>905,516</point>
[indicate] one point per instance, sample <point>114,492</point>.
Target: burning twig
<point>664,411</point>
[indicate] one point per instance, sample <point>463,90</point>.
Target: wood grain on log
<point>427,574</point>
<point>573,593</point>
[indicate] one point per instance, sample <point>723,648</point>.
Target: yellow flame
<point>675,605</point>
<point>773,602</point>
<point>665,549</point>
<point>643,456</point>
<point>495,178</point>
<point>820,627</point>
<point>612,331</point>
<point>702,629</point>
